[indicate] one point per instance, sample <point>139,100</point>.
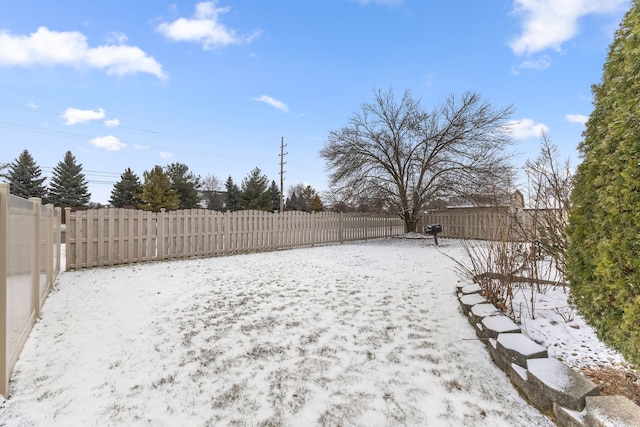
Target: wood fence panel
<point>29,264</point>
<point>121,236</point>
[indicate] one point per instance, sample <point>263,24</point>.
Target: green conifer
<point>68,186</point>
<point>604,231</point>
<point>186,185</point>
<point>24,178</point>
<point>233,195</point>
<point>157,193</point>
<point>275,195</point>
<point>126,192</point>
<point>255,192</point>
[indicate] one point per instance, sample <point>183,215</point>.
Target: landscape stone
<point>471,289</point>
<point>611,411</point>
<point>518,376</point>
<point>492,346</point>
<point>550,381</point>
<point>568,418</point>
<point>496,325</point>
<point>517,348</point>
<point>480,311</point>
<point>468,301</point>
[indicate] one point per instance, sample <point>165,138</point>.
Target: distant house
<point>213,200</point>
<point>513,202</point>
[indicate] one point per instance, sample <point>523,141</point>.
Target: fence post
<point>57,240</point>
<point>50,246</point>
<point>226,242</point>
<point>68,232</point>
<point>4,223</point>
<point>35,278</point>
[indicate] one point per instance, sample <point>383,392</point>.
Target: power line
<point>39,130</point>
<point>84,137</point>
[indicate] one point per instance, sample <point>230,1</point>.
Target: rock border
<point>567,396</point>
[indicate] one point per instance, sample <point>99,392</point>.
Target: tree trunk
<point>410,222</point>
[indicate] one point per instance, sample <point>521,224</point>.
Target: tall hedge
<point>603,259</point>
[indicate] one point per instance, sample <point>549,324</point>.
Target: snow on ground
<point>555,325</point>
<point>365,333</point>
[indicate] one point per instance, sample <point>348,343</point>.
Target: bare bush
<point>532,252</point>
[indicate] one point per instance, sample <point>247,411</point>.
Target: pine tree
<point>292,201</point>
<point>275,195</point>
<point>186,185</point>
<point>68,186</point>
<point>604,231</point>
<point>233,195</point>
<point>24,179</point>
<point>157,193</point>
<point>304,198</point>
<point>316,204</point>
<point>255,193</point>
<point>126,192</point>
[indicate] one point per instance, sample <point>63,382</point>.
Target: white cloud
<point>116,37</point>
<point>75,116</point>
<point>536,64</point>
<point>32,105</point>
<point>527,128</point>
<point>109,143</point>
<point>273,102</point>
<point>140,147</point>
<point>547,24</point>
<point>205,28</point>
<point>111,123</point>
<point>70,48</point>
<point>577,118</point>
<point>166,155</point>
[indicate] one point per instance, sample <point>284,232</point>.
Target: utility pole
<point>282,163</point>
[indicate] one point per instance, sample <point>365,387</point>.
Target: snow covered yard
<point>367,333</point>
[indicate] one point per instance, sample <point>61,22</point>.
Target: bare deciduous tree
<point>397,152</point>
<point>212,192</point>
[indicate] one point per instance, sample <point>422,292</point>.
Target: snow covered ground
<point>366,333</point>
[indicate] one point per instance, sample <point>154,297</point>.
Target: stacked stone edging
<point>554,388</point>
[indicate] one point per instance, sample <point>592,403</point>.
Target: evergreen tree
<point>604,231</point>
<point>304,198</point>
<point>186,185</point>
<point>68,186</point>
<point>233,195</point>
<point>316,204</point>
<point>126,192</point>
<point>157,193</point>
<point>275,195</point>
<point>24,178</point>
<point>292,202</point>
<point>255,192</point>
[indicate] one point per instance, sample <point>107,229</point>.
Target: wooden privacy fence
<point>29,265</point>
<point>104,237</point>
<point>476,222</point>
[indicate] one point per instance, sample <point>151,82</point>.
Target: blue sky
<point>216,85</point>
